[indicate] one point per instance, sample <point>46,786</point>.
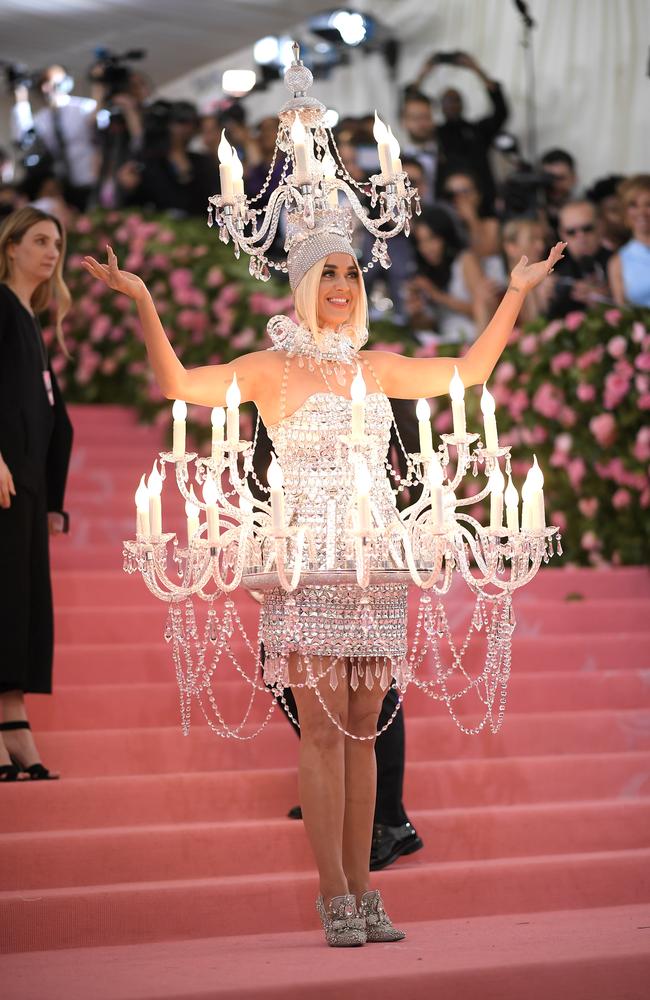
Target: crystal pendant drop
<point>368,677</point>
<point>477,617</point>
<point>334,679</point>
<point>210,219</point>
<point>384,676</point>
<point>354,677</point>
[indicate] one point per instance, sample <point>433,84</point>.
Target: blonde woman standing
<point>35,444</point>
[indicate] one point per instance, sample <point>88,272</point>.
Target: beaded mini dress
<point>339,620</point>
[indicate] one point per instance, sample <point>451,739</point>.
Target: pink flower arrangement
<point>551,331</point>
<point>588,506</point>
<point>621,499</point>
<point>613,316</point>
<point>576,470</point>
<point>641,448</point>
<point>616,388</point>
<point>638,332</point>
<point>643,362</point>
<point>574,320</point>
<point>528,344</point>
<point>617,346</point>
<point>603,428</point>
<point>585,392</point>
<point>590,357</point>
<point>561,361</point>
<point>591,541</point>
<point>559,517</point>
<point>518,404</point>
<point>547,401</point>
<point>504,372</point>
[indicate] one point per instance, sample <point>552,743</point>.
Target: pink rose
<point>518,404</point>
<point>616,388</point>
<point>214,277</point>
<point>590,541</point>
<point>603,428</point>
<point>641,448</point>
<point>99,328</point>
<point>528,344</point>
<point>561,361</point>
<point>590,357</point>
<point>443,422</point>
<point>573,320</point>
<point>563,442</point>
<point>567,416</point>
<point>504,372</point>
<point>621,499</point>
<point>638,332</point>
<point>588,506</point>
<point>617,346</point>
<point>613,316</point>
<point>644,499</point>
<point>180,278</point>
<point>559,518</point>
<point>551,330</point>
<point>643,362</point>
<point>586,393</point>
<point>547,401</point>
<point>644,401</point>
<point>83,224</point>
<point>576,470</point>
<point>243,339</point>
<point>392,348</point>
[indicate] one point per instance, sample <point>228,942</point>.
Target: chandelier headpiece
<point>314,187</point>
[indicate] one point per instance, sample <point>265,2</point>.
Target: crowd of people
<point>483,206</point>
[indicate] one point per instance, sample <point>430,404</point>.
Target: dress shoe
<point>390,843</point>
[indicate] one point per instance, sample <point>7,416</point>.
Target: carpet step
<point>120,663</point>
<point>121,854</point>
<point>77,803</point>
<point>248,904</point>
<point>159,750</point>
<point>596,954</point>
<point>103,705</point>
<point>120,623</point>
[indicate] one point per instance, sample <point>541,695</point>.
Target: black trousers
<point>26,616</point>
<point>389,751</point>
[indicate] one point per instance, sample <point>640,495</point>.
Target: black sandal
<point>37,772</point>
<point>9,772</point>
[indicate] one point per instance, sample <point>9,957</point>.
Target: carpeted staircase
<point>162,866</point>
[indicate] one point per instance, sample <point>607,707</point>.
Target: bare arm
<point>615,278</point>
<point>412,378</point>
<point>206,386</point>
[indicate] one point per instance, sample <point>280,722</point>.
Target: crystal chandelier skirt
<point>334,621</point>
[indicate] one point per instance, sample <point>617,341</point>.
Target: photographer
<point>465,144</point>
<point>60,134</point>
<point>121,95</point>
<point>169,177</point>
<point>580,279</point>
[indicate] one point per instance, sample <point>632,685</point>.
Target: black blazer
<point>35,438</point>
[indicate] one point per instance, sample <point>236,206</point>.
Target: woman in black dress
<point>35,444</point>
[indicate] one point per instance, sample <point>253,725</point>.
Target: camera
<point>446,57</point>
<point>17,75</point>
<point>112,71</point>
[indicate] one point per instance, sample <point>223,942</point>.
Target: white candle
<point>423,413</point>
<point>537,481</point>
<point>358,393</point>
<point>435,483</point>
<point>142,510</point>
<point>527,493</point>
<point>363,497</point>
<point>275,481</point>
<point>382,139</point>
<point>154,489</point>
<point>457,393</point>
<point>396,163</point>
<point>211,511</point>
<point>329,174</point>
<point>237,172</point>
<point>217,419</point>
<point>512,506</point>
<point>300,151</point>
<point>488,408</point>
<point>179,413</point>
<point>192,512</point>
<point>496,482</point>
<point>233,399</point>
<point>225,153</point>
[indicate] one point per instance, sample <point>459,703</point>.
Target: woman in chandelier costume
<point>318,639</point>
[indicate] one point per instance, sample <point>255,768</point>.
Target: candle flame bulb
<point>154,483</point>
<point>528,488</point>
<point>210,491</point>
<point>394,145</point>
<point>274,474</point>
<point>379,130</point>
<point>511,495</point>
<point>218,416</point>
<point>233,396</point>
<point>456,387</point>
<point>298,134</point>
<point>191,506</point>
<point>536,475</point>
<point>179,410</point>
<point>237,167</point>
<point>488,406</point>
<point>423,410</point>
<point>435,472</point>
<point>358,387</point>
<point>142,496</point>
<point>224,150</point>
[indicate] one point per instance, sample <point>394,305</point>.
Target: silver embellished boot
<point>343,926</point>
<point>378,924</point>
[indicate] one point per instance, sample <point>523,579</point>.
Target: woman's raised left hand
<point>526,276</point>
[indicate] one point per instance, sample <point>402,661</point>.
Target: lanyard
<point>47,378</point>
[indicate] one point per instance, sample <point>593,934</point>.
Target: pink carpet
<point>162,866</point>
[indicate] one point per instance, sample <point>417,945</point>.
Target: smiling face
<point>637,213</point>
<point>338,290</point>
<point>35,257</point>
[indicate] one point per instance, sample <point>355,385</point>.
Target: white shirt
<point>77,121</point>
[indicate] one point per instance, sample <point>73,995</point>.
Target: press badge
<point>47,382</point>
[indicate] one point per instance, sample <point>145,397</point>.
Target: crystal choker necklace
<point>298,340</point>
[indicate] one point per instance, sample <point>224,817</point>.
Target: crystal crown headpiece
<point>313,187</point>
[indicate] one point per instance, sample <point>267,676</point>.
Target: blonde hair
<point>305,299</point>
<point>54,289</point>
<point>628,189</point>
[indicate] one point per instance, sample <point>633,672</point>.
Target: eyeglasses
<point>574,230</point>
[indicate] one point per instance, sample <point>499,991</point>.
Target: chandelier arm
<point>224,540</point>
<point>476,498</point>
<point>280,559</point>
<point>425,583</point>
<point>254,244</point>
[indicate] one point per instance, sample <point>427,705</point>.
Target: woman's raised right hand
<point>7,488</point>
<point>122,281</point>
